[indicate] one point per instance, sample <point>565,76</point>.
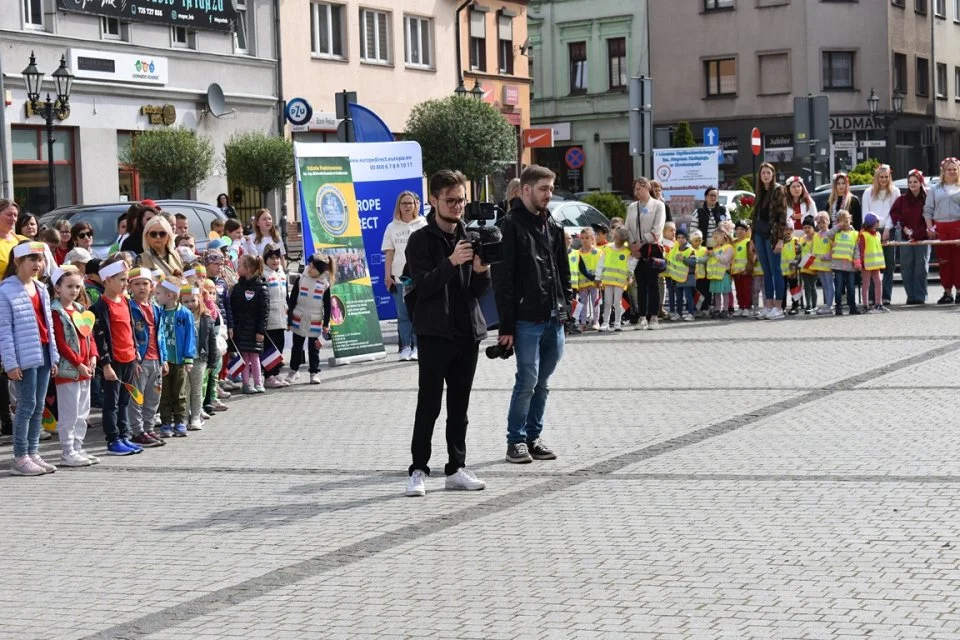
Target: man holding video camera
<point>532,288</point>
<point>447,281</point>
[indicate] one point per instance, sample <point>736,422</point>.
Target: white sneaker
<point>675,317</point>
<point>204,415</point>
<point>775,314</point>
<point>291,377</point>
<point>654,323</point>
<point>416,486</point>
<point>644,325</point>
<point>617,326</point>
<point>688,318</point>
<point>273,382</point>
<point>604,327</point>
<point>596,326</point>
<point>406,353</point>
<point>24,466</point>
<point>314,378</point>
<point>92,458</point>
<point>414,355</point>
<point>195,425</point>
<point>74,459</point>
<point>762,313</point>
<point>464,480</point>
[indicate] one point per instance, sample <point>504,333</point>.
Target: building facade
<point>139,69</point>
<point>395,56</point>
<point>755,57</point>
<point>584,54</point>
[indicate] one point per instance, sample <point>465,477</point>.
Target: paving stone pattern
<point>735,479</point>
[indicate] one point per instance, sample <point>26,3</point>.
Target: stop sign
<point>755,141</point>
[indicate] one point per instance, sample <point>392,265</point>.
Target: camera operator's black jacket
<point>436,283</point>
<point>534,279</point>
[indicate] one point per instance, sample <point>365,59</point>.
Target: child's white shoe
<point>604,327</point>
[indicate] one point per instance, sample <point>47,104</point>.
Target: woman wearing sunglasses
<point>81,235</point>
<point>159,253</point>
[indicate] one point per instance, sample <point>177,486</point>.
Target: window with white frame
<point>956,10</point>
<point>242,28</point>
<point>941,80</point>
<point>417,42</point>
<point>956,83</point>
<point>110,28</point>
<point>940,8</point>
<point>478,41</point>
<point>505,44</point>
<point>374,36</point>
<point>33,14</point>
<point>183,38</point>
<point>326,30</point>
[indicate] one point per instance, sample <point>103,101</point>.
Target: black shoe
<point>946,299</point>
<point>575,328</point>
<point>518,453</point>
<point>855,312</point>
<point>540,451</point>
<point>838,311</point>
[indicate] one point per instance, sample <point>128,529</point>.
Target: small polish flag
<point>796,292</point>
<point>625,304</point>
<point>236,365</point>
<point>808,262</point>
<point>270,358</point>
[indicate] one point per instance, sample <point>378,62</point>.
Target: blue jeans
<point>404,325</point>
<point>538,347</point>
<point>683,299</point>
<point>31,394</point>
<point>826,281</point>
<point>773,286</point>
<point>914,265</point>
<point>845,280</point>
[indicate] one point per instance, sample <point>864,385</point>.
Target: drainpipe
<point>459,39</point>
<point>281,108</point>
<point>933,86</point>
<point>5,190</point>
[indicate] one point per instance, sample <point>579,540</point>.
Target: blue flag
<point>367,125</point>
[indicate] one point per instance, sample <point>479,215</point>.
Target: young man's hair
<point>534,174</point>
<point>446,179</point>
<point>180,216</point>
<point>216,223</point>
<point>182,236</point>
<point>232,225</point>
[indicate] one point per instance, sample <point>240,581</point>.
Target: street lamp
<point>460,91</point>
<point>49,109</point>
<point>886,118</point>
<point>477,91</point>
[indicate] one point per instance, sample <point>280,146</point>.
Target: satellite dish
<point>216,104</point>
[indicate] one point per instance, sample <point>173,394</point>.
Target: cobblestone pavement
<point>734,479</point>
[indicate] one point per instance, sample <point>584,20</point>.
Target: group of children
<point>725,279</point>
<point>165,348</point>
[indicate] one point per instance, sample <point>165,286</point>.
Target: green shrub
<point>745,183</point>
<point>608,204</point>
<point>683,136</point>
<point>863,172</point>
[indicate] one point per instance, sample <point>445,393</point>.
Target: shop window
<point>31,174</point>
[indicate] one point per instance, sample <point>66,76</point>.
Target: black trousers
<point>277,337</point>
<point>296,353</point>
<point>648,290</point>
<point>454,361</point>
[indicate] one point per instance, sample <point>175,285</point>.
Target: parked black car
<point>103,218</point>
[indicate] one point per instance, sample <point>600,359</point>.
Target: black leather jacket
<point>533,282</point>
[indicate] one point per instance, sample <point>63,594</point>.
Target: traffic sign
<point>873,144</point>
<point>538,138</point>
<point>756,143</point>
<point>298,111</point>
<point>574,157</point>
<point>711,136</point>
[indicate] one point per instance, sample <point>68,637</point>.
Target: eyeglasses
<point>455,203</point>
<point>158,234</point>
<point>84,234</point>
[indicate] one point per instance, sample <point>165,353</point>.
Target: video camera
<point>487,241</point>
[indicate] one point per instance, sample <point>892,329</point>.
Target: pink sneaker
<point>273,382</point>
<point>43,464</point>
<point>24,466</point>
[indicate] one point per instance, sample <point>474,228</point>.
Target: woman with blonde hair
<point>159,253</point>
<point>942,214</point>
<point>842,200</point>
<point>406,220</point>
<point>878,199</point>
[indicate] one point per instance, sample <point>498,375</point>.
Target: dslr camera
<point>487,241</point>
<point>495,351</point>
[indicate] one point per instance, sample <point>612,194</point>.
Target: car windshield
<point>722,201</point>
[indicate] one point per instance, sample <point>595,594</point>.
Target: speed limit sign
<point>299,111</point>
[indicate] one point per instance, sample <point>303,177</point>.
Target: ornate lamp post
<point>49,109</point>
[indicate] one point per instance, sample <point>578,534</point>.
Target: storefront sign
<point>165,115</point>
<point>561,130</point>
<point>322,121</point>
<point>778,148</point>
<point>210,15</point>
<point>854,123</point>
<point>511,94</point>
<point>118,67</point>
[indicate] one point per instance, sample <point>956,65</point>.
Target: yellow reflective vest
<point>789,253</point>
<point>741,256</point>
<point>615,269</point>
<point>806,249</point>
<point>716,270</point>
<point>676,268</point>
<point>573,256</point>
<point>872,257</point>
<point>701,269</point>
<point>823,250</point>
<point>844,243</point>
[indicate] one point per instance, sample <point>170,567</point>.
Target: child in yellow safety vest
<point>681,271</point>
<point>844,270</point>
<point>668,241</point>
<point>703,285</point>
<point>573,257</point>
<point>868,257</point>
<point>613,271</point>
<point>589,286</point>
<point>808,277</point>
<point>742,269</point>
<point>790,267</point>
<point>823,252</point>
<point>719,261</point>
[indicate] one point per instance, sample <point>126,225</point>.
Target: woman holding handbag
<point>645,219</point>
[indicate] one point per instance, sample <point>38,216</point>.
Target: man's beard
<point>446,219</point>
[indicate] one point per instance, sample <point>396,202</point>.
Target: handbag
<point>657,265</point>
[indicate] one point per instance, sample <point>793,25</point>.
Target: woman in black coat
<point>250,306</point>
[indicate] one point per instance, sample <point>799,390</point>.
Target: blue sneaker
<point>180,431</point>
<point>132,445</point>
<point>166,431</point>
<point>117,448</point>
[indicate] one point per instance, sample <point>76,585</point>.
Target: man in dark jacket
<point>447,281</point>
<point>533,292</point>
